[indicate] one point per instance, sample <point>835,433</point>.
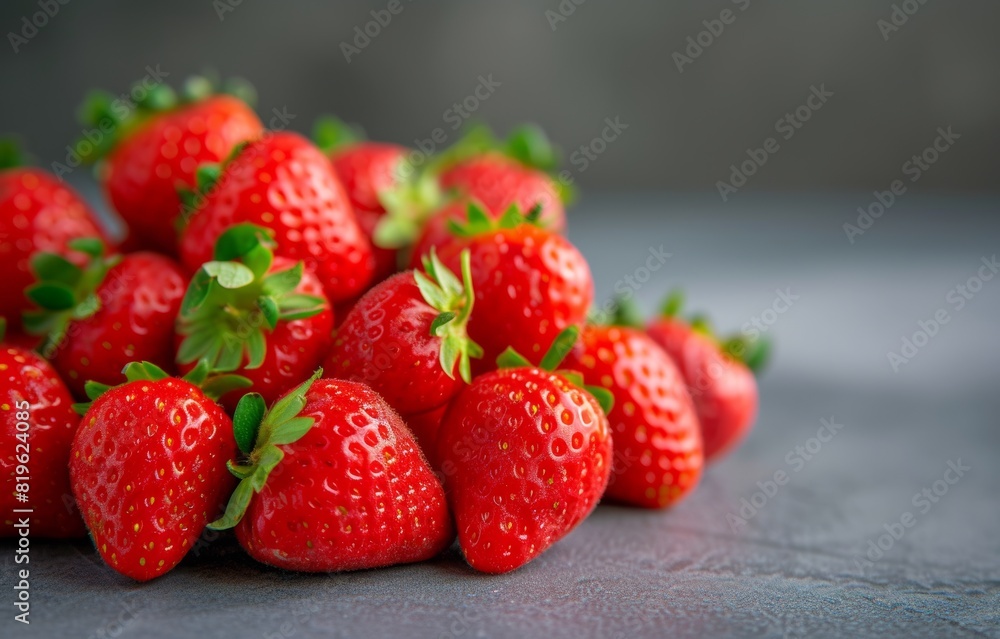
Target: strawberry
<point>35,435</point>
<point>658,456</point>
<point>247,312</point>
<point>719,376</point>
<point>37,214</point>
<point>405,337</point>
<point>332,480</point>
<point>155,148</point>
<point>368,170</point>
<point>283,183</point>
<point>526,454</point>
<point>148,466</point>
<point>110,311</point>
<point>493,174</point>
<point>530,284</point>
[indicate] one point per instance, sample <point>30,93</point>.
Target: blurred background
<point>692,108</point>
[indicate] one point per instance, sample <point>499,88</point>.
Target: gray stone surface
<point>797,568</point>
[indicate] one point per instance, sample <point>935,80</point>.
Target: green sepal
<point>512,359</point>
<point>604,397</point>
<point>560,348</point>
<point>478,221</point>
<point>331,133</point>
<point>3,328</point>
<point>627,313</point>
<point>144,371</point>
<point>234,301</point>
<point>755,353</point>
<point>207,175</point>
<point>529,145</point>
<point>280,425</point>
<point>11,155</point>
<point>246,421</point>
<point>64,292</point>
<point>673,304</point>
<point>415,196</point>
<point>454,299</point>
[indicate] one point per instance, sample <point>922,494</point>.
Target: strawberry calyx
<point>11,154</point>
<point>64,291</point>
<point>212,384</point>
<point>526,144</point>
<point>454,299</point>
<point>560,348</point>
<point>478,222</point>
<point>206,177</point>
<point>754,352</point>
<point>117,116</point>
<point>258,433</point>
<point>233,302</point>
<point>415,196</point>
<point>330,133</point>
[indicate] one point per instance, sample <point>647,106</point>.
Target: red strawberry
<point>156,147</point>
<point>111,311</point>
<point>405,337</point>
<point>248,312</point>
<point>333,481</point>
<point>368,171</point>
<point>283,183</point>
<point>493,174</point>
<point>658,456</point>
<point>37,214</point>
<point>530,284</point>
<point>722,385</point>
<point>526,455</point>
<point>35,435</point>
<point>148,467</point>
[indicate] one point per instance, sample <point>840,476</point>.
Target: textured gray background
<point>797,568</point>
<point>608,59</point>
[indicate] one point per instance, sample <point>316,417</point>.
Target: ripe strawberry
<point>37,214</point>
<point>369,171</point>
<point>155,148</point>
<point>721,384</point>
<point>332,480</point>
<point>530,284</point>
<point>493,174</point>
<point>35,435</point>
<point>148,466</point>
<point>110,311</point>
<point>658,456</point>
<point>248,312</point>
<point>405,337</point>
<point>283,183</point>
<point>526,455</point>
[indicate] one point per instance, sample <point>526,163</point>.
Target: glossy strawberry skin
<point>37,214</point>
<point>354,492</point>
<point>658,454</point>
<point>724,390</point>
<point>283,183</point>
<point>148,468</point>
<point>143,171</point>
<point>386,342</point>
<point>294,348</point>
<point>526,456</point>
<point>51,424</point>
<point>140,298</point>
<point>366,169</point>
<point>530,284</point>
<point>497,182</point>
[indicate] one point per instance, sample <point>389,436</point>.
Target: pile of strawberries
<point>347,357</point>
